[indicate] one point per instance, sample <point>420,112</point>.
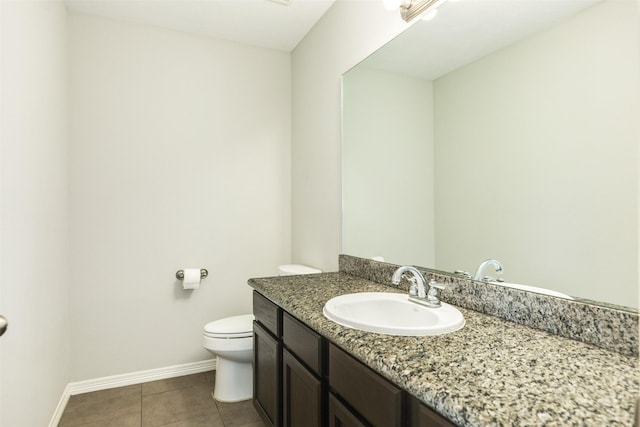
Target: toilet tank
<point>294,269</point>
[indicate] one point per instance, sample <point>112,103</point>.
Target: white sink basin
<point>393,314</point>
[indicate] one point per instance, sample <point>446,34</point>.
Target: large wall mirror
<point>506,130</point>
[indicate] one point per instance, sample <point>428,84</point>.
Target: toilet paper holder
<point>203,273</point>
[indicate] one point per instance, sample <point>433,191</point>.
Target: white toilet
<point>231,340</point>
<point>294,269</point>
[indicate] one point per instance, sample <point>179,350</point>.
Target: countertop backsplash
<point>605,326</point>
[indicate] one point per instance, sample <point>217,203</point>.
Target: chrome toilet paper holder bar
<point>203,273</point>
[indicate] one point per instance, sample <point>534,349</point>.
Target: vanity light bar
<point>416,8</point>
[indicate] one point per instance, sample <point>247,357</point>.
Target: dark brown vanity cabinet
<point>303,397</point>
<point>288,367</point>
<point>302,381</point>
<point>341,416</point>
<point>302,401</point>
<point>359,397</point>
<point>267,359</point>
<point>375,401</point>
<point>418,415</point>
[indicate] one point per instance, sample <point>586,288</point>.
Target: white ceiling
<point>466,30</point>
<point>265,23</point>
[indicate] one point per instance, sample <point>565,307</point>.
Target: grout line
<point>224,423</point>
<point>141,420</point>
<point>179,387</point>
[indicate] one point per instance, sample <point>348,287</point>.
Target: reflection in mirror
<point>503,130</point>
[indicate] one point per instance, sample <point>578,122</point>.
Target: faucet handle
<point>413,290</point>
<point>436,285</point>
<point>432,295</point>
<point>463,273</point>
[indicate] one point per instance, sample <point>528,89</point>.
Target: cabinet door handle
<point>3,325</point>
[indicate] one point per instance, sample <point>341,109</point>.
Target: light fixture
<point>428,16</point>
<point>410,9</point>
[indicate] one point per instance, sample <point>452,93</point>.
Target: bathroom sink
<point>391,313</point>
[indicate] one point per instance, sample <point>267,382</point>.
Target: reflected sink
<point>532,289</point>
<point>393,314</point>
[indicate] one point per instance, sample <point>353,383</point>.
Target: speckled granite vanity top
<point>491,373</point>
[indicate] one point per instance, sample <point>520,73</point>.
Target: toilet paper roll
<point>191,278</point>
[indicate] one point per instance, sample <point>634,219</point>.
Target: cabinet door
<point>418,415</point>
<point>341,416</point>
<point>301,394</point>
<point>266,375</point>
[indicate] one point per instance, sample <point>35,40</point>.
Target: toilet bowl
<point>231,340</point>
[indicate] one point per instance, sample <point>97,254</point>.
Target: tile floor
<point>175,402</point>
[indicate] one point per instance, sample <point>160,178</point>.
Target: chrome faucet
<point>480,271</point>
<point>418,291</point>
<point>418,283</point>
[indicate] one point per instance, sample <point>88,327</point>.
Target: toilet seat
<point>230,327</point>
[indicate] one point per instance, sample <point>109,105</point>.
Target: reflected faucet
<point>480,271</point>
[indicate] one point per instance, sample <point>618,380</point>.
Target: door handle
<point>3,325</point>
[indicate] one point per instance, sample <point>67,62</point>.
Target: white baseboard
<point>122,380</point>
<point>57,415</point>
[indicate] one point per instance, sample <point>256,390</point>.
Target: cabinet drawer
<point>373,397</point>
<point>303,342</point>
<point>268,314</point>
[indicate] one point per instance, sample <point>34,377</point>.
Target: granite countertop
<point>490,373</point>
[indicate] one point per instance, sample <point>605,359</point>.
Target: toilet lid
<point>230,327</point>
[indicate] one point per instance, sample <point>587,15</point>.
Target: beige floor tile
<point>112,393</point>
<point>213,420</point>
<point>174,383</point>
<point>176,402</point>
<point>240,414</point>
<point>177,405</point>
<point>210,376</point>
<point>122,403</point>
<point>129,420</point>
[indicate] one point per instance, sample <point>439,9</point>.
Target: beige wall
<point>387,167</point>
<point>569,179</point>
<point>180,157</point>
<point>34,263</point>
<point>346,34</point>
